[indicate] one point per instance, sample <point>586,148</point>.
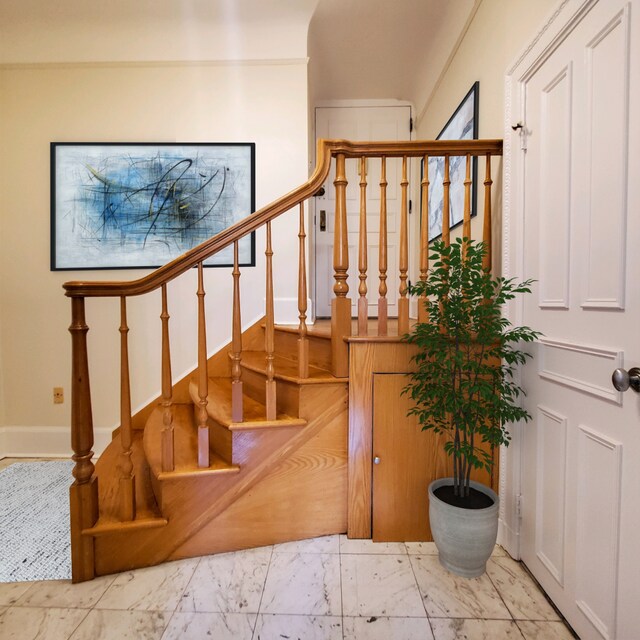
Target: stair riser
<point>319,348</point>
<point>287,393</point>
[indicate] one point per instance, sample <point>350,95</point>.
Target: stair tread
<point>105,527</point>
<point>185,446</point>
<point>312,330</point>
<point>287,369</point>
<point>254,412</point>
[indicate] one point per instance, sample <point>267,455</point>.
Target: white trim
<point>46,442</point>
<point>380,102</point>
<point>152,64</point>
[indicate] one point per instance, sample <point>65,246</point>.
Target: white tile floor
<point>327,588</point>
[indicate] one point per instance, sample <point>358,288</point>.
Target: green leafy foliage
<point>464,383</point>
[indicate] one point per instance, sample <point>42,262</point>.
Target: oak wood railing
<point>84,494</point>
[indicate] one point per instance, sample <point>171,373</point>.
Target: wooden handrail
<point>326,149</point>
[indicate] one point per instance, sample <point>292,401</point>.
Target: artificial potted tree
<point>464,387</point>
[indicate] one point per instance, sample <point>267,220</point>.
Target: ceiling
<point>358,49</point>
<point>383,48</point>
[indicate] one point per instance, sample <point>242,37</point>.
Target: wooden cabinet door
<point>408,462</point>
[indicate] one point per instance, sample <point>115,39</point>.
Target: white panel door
<point>360,123</point>
<point>580,503</point>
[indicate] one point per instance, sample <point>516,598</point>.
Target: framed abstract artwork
<point>139,205</point>
<point>463,125</point>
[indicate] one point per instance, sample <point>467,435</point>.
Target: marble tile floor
<point>328,588</point>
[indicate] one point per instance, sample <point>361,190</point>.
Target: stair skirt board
<point>269,482</point>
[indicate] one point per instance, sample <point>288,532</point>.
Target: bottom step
<point>108,474</point>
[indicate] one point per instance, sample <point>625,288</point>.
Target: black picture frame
<point>139,205</point>
<point>463,124</point>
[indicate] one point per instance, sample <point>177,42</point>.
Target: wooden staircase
<point>267,481</point>
<point>258,444</point>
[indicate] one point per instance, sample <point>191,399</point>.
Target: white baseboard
<point>45,442</point>
<point>286,310</point>
<point>509,539</point>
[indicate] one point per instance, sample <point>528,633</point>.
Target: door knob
<point>623,379</point>
<point>376,460</point>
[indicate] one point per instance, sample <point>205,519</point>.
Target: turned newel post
<point>382,252</point>
<point>340,305</point>
<point>403,300</point>
<point>84,491</point>
<point>363,303</point>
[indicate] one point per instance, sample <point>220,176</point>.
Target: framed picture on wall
<point>462,125</point>
<point>139,205</point>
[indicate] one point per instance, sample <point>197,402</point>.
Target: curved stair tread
<point>287,370</point>
<point>108,473</point>
<point>312,330</point>
<point>185,446</point>
<point>219,408</point>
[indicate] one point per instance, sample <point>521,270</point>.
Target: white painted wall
<point>261,100</point>
<point>494,37</point>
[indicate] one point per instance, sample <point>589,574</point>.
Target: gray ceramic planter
<point>464,537</point>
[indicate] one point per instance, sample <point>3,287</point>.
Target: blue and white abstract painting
<point>118,206</point>
<point>463,125</point>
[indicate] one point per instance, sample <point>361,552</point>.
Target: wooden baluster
<point>269,340</point>
<point>446,218</point>
<point>486,227</point>
<point>423,315</point>
<point>466,220</point>
<point>382,261</point>
<point>363,304</point>
<point>127,480</point>
<point>403,302</point>
<point>303,341</point>
<point>203,377</point>
<point>466,213</point>
<point>168,463</point>
<point>340,305</point>
<point>83,493</point>
<point>237,409</point>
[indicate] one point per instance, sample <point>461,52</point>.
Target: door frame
<point>413,190</point>
<point>560,23</point>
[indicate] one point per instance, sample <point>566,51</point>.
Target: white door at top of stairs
<point>360,123</point>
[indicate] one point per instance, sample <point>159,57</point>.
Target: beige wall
<point>265,103</point>
<point>498,33</point>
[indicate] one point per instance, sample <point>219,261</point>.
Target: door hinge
<point>410,206</point>
<point>410,125</point>
<point>519,507</point>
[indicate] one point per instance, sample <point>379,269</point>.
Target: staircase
<point>251,448</point>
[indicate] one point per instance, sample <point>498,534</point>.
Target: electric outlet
<point>58,395</point>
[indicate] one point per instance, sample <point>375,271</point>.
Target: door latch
<point>323,220</point>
